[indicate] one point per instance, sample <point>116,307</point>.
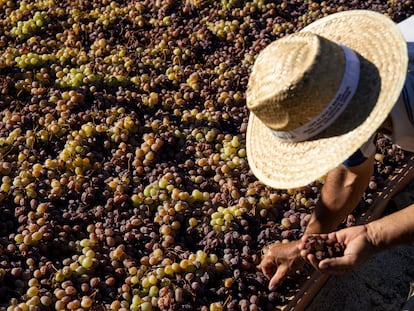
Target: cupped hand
<point>279,261</point>
<point>358,249</point>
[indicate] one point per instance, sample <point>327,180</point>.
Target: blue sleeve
<point>356,159</point>
<point>363,153</point>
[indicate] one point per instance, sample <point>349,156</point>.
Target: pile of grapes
<point>124,183</point>
<point>323,247</point>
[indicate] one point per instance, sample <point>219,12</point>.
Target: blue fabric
<point>356,159</point>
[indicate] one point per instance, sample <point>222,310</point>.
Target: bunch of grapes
<point>323,247</point>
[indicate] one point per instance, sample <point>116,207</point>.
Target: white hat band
<point>335,107</point>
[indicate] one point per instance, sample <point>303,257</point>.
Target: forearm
<point>391,230</point>
<point>340,195</point>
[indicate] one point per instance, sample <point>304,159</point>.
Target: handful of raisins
<point>323,247</point>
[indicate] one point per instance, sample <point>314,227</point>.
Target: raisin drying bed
<point>315,281</point>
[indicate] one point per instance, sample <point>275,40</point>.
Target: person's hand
<point>279,261</point>
<point>358,249</point>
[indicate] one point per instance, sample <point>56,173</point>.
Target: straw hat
<point>316,96</point>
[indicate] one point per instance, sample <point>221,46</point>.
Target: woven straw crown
<point>299,77</point>
<point>294,79</point>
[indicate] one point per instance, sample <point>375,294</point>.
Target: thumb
<point>278,277</point>
<point>337,263</point>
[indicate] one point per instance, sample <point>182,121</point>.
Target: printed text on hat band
<point>335,107</point>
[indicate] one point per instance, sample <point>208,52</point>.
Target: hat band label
<point>335,107</point>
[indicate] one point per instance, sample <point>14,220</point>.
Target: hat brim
<point>383,55</point>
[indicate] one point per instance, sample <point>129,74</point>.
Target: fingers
<point>278,277</point>
<point>304,252</point>
<point>276,274</point>
<point>337,265</point>
<point>278,261</point>
<point>301,244</point>
<point>313,261</point>
<point>302,241</point>
<point>306,255</point>
<point>268,267</point>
